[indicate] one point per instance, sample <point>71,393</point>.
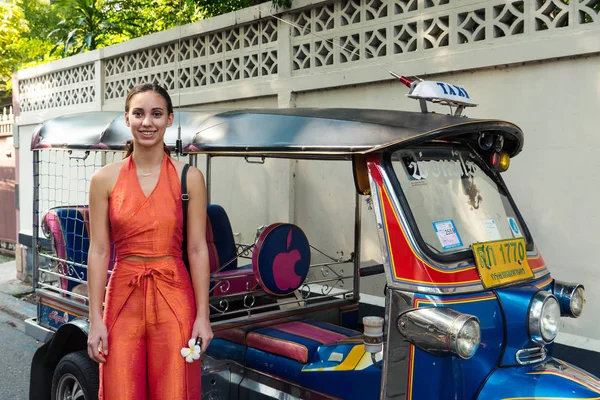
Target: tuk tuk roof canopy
<point>106,130</point>
<point>291,132</point>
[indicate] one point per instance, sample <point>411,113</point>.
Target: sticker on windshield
<point>492,229</point>
<point>514,227</point>
<point>447,233</point>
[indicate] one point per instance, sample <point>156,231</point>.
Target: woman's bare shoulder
<point>194,174</point>
<point>179,167</point>
<point>107,176</point>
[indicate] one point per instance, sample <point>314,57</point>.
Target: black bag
<point>184,202</point>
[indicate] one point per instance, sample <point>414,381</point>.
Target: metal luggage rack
<point>327,282</point>
<point>61,180</point>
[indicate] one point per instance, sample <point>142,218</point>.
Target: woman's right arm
<point>98,258</point>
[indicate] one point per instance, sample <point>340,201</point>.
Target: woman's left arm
<point>198,254</point>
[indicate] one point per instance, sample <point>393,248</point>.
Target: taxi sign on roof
<point>441,92</point>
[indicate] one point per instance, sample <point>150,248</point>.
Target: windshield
<point>454,199</point>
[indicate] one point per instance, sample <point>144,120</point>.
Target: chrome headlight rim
<point>565,292</point>
<point>577,314</point>
<point>534,317</point>
<point>459,327</point>
<point>438,330</point>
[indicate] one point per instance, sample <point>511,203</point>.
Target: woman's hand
<point>203,331</point>
<point>98,340</point>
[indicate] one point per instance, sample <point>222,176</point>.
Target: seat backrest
<point>69,227</point>
<point>219,238</point>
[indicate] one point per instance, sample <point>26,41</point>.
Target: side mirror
<point>361,174</point>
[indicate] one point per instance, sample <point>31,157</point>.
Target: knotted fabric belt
<point>154,274</point>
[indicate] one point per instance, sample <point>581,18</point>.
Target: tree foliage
<point>91,24</point>
<point>212,8</point>
<point>88,25</point>
<point>12,25</point>
<point>23,30</point>
<point>36,31</point>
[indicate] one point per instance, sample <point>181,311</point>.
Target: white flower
<point>192,352</point>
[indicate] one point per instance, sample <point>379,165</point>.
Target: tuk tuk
<point>471,309</point>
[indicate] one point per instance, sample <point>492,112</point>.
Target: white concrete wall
<point>253,194</point>
<point>532,70</point>
<point>25,166</point>
<point>554,180</point>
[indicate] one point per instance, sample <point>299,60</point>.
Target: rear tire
<point>75,378</point>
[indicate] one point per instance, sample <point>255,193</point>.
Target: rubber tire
<point>80,365</point>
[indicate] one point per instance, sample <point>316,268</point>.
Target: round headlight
<point>544,315</point>
<point>468,339</point>
<point>578,301</point>
<point>550,319</point>
<point>571,297</point>
<point>441,330</point>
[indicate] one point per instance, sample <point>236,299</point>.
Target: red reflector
<point>495,160</point>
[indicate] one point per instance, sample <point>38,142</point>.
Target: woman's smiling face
<point>148,119</point>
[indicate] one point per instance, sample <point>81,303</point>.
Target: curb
<point>16,308</point>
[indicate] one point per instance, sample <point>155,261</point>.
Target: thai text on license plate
<point>501,262</point>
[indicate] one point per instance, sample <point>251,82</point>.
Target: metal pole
<point>193,160</point>
<point>357,234</point>
<point>208,180</point>
<point>36,206</point>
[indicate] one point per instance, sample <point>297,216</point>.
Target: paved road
<point>16,352</point>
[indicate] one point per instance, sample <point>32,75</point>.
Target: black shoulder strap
<point>184,202</point>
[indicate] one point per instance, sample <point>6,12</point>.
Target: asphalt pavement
<point>16,348</point>
<point>16,352</point>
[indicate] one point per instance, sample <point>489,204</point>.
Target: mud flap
<point>40,380</point>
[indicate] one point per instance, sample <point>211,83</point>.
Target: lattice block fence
<point>59,89</point>
<point>6,121</point>
<point>314,37</point>
<point>349,31</point>
<point>241,52</point>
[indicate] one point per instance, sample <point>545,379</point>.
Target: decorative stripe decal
<point>411,368</point>
<point>544,283</point>
<point>571,378</point>
<point>349,364</point>
<point>551,398</point>
<point>417,302</point>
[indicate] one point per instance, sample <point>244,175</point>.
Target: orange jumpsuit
<point>150,307</point>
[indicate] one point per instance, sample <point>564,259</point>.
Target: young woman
<point>153,308</point>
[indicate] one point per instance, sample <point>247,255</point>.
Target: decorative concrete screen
<point>256,44</point>
<point>241,52</point>
<point>355,30</point>
<point>6,122</point>
<point>58,89</point>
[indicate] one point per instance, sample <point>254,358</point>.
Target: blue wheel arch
<point>69,338</point>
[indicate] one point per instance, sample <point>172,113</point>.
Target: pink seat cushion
<point>234,281</point>
<point>298,340</point>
